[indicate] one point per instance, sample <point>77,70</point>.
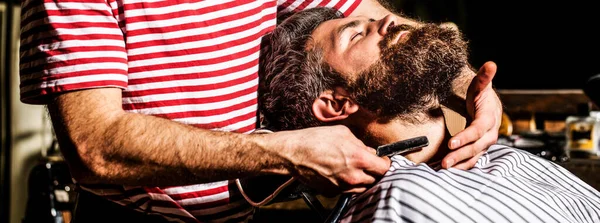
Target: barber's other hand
<point>332,160</point>
<point>484,106</point>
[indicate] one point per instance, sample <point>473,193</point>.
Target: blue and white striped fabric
<point>506,185</point>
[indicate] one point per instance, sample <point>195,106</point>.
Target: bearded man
<point>388,81</point>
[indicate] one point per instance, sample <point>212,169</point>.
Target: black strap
<point>314,204</point>
<point>339,209</point>
<point>91,208</point>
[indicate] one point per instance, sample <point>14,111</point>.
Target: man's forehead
<point>340,50</point>
<point>324,34</point>
<point>330,31</point>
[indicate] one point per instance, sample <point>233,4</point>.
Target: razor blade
<point>403,146</point>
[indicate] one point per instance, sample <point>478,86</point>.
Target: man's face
<point>350,45</point>
<point>392,69</point>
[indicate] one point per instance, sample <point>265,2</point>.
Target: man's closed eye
<point>356,36</point>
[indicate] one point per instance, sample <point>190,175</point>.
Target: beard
<point>414,75</point>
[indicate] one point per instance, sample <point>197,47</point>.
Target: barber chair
<point>51,194</point>
<point>264,190</point>
<point>328,216</point>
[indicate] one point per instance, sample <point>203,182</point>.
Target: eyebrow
<point>343,28</point>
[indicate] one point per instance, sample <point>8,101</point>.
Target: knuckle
<point>474,150</point>
<point>360,162</point>
<point>463,166</point>
<point>488,142</point>
<point>483,145</point>
<point>473,160</point>
<point>352,180</point>
<point>360,190</point>
<point>479,132</point>
<point>493,141</point>
<point>471,163</point>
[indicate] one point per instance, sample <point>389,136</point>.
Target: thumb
<point>485,75</point>
<point>378,166</point>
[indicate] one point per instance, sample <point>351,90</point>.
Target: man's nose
<point>385,23</point>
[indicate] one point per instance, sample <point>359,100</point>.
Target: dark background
<point>536,44</point>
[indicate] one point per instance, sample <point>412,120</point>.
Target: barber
<point>147,96</point>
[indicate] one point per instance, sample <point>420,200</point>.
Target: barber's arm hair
<point>102,143</point>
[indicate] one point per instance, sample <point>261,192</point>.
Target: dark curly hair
<point>292,77</point>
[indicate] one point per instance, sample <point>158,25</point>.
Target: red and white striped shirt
<point>192,61</point>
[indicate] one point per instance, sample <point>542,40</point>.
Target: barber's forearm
<point>156,151</point>
<point>111,146</point>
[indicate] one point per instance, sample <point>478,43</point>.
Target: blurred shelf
<point>560,102</point>
<point>547,110</point>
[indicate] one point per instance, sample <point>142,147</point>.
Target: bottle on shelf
<point>582,132</point>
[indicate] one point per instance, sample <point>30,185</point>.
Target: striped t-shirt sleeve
<point>69,45</point>
<point>345,6</point>
<point>506,185</point>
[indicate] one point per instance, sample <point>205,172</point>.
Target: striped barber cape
<point>506,185</point>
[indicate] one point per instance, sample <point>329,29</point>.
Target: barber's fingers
<point>375,165</point>
<point>356,190</point>
<point>468,164</point>
<point>370,169</point>
<point>370,162</point>
<point>371,150</point>
<point>360,182</point>
<point>474,132</point>
<point>484,76</point>
<point>356,181</point>
<point>469,151</point>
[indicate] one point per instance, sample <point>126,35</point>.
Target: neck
<point>377,133</point>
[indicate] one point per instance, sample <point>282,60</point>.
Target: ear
<point>334,105</point>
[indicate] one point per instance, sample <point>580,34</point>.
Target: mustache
<point>393,32</point>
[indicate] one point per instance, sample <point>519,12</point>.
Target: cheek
<point>363,57</point>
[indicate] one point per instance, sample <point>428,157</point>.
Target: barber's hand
<point>484,106</point>
<point>332,160</point>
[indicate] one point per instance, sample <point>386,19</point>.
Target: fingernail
<point>449,163</point>
<point>454,144</point>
